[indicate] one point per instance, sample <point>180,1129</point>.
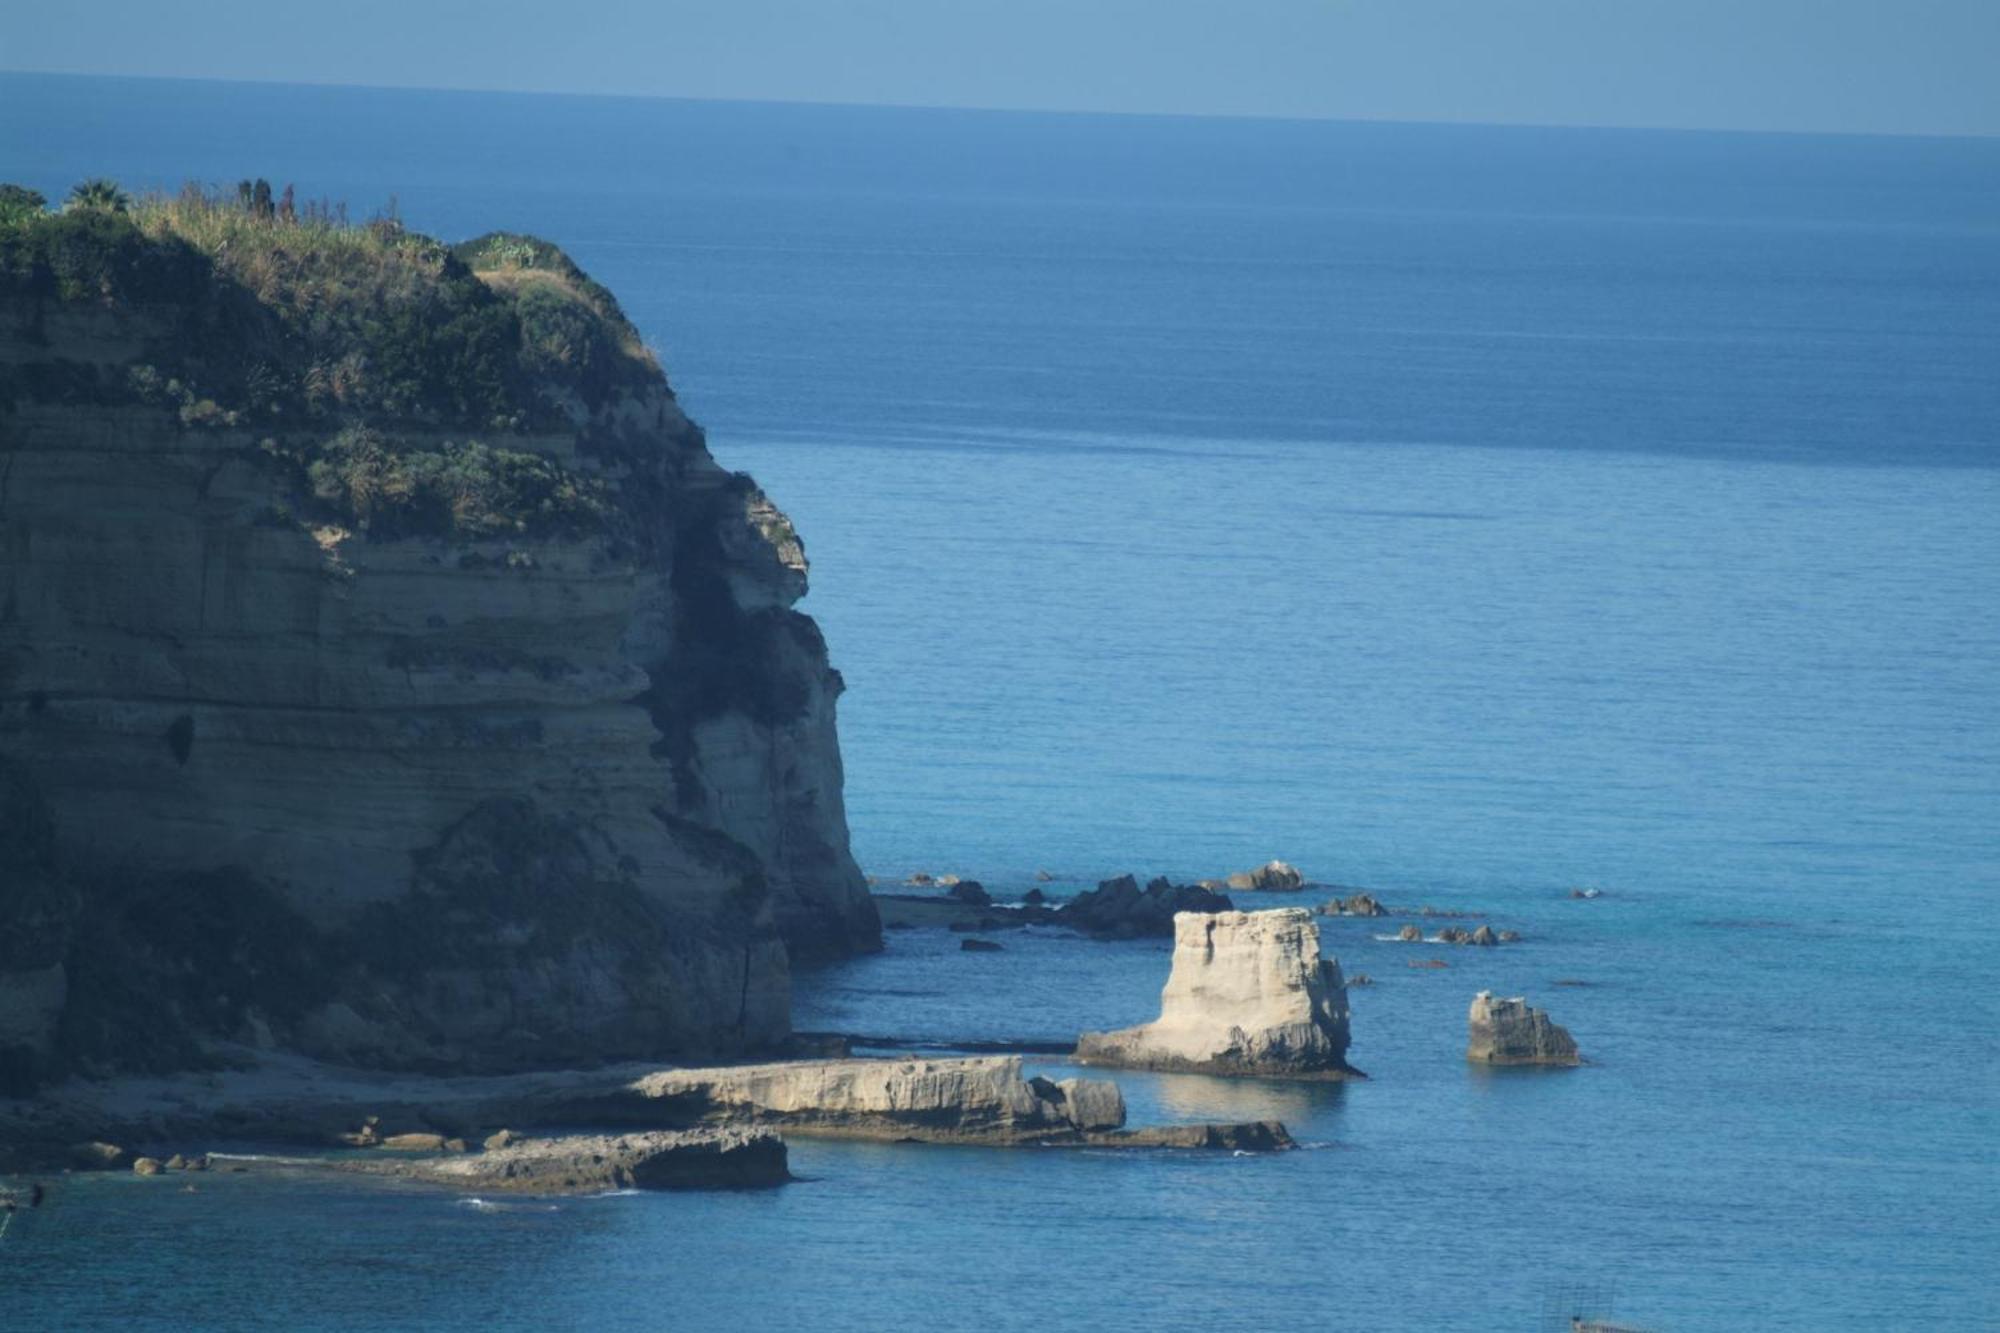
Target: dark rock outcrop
<point>1119,909</point>
<point>1271,877</point>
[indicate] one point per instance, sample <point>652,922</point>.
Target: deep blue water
<point>1465,514</point>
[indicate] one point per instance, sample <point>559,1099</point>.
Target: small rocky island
<point>1248,994</point>
<point>1508,1032</point>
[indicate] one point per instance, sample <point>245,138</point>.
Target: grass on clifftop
<point>299,314</point>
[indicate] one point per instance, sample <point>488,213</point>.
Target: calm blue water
<point>1464,514</point>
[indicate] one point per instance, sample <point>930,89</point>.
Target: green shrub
<point>466,491</point>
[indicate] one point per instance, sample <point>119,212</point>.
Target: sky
<point>1867,66</point>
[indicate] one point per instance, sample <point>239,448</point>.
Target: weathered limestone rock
<point>595,1164</point>
<point>562,796</point>
<point>1508,1032</point>
<point>1249,994</point>
<point>974,1100</point>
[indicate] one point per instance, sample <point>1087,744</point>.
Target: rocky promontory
<point>1248,994</point>
<point>388,672</point>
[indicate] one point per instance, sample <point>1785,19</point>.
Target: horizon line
<point>983,110</point>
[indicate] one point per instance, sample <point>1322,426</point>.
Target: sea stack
<point>1248,995</point>
<point>1508,1032</point>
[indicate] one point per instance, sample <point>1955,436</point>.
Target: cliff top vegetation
<point>290,312</point>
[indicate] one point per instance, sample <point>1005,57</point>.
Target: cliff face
<point>393,732</point>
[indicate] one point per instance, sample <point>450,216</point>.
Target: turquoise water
<point>1462,514</point>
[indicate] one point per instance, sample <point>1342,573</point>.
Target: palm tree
<point>99,192</point>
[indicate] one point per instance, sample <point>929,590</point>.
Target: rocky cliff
<point>387,670</point>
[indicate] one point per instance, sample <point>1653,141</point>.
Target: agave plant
<point>100,193</point>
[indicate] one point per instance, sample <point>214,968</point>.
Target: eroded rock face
<point>401,800</point>
<point>1249,994</point>
<point>1508,1032</point>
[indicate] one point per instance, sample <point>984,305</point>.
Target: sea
<point>1468,515</point>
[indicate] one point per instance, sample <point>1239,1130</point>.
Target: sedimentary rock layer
<point>1248,994</point>
<point>511,790</point>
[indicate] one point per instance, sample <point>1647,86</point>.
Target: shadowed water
<point>1464,515</point>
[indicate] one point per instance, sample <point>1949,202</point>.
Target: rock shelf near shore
<point>595,1164</point>
<point>1248,994</point>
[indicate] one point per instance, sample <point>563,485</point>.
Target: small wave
<point>479,1205</point>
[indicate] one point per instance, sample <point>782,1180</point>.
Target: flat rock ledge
<point>1508,1032</point>
<point>682,1117</point>
<point>1248,995</point>
<point>597,1164</point>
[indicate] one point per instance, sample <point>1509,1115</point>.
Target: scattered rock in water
<point>1118,909</point>
<point>1429,962</point>
<point>95,1156</point>
<point>414,1143</point>
<point>979,946</point>
<point>1360,979</point>
<point>1453,935</point>
<point>947,881</point>
<point>970,892</point>
<point>1248,994</point>
<point>1411,935</point>
<point>198,1162</point>
<point>1271,877</point>
<point>1508,1032</point>
<point>175,1163</point>
<point>1572,981</point>
<point>1586,893</point>
<point>1483,937</point>
<point>921,878</point>
<point>1361,904</point>
<point>1044,877</point>
<point>147,1166</point>
<point>1510,936</point>
<point>1034,897</point>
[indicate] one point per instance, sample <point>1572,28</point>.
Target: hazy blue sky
<point>1869,65</point>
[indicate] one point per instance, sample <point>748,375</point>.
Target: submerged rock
<point>979,946</point>
<point>1411,935</point>
<point>970,892</point>
<point>1248,994</point>
<point>1508,1032</point>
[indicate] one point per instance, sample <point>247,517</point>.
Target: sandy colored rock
<point>1508,1032</point>
<point>977,1099</point>
<point>414,1143</point>
<point>147,1166</point>
<point>1248,994</point>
